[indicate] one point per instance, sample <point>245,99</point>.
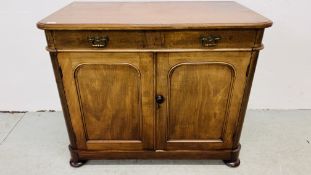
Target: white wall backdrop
<point>282,80</point>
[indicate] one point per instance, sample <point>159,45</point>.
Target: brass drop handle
<point>210,40</point>
<point>99,42</point>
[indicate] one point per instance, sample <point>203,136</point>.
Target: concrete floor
<point>273,142</point>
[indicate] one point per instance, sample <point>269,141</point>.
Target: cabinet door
<point>202,99</point>
<point>110,99</point>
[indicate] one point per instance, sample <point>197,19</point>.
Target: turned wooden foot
<point>77,164</point>
<point>75,160</point>
<point>232,163</point>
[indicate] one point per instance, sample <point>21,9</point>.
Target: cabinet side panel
<point>61,92</point>
<point>247,90</point>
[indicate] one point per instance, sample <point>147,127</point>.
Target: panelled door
<point>110,98</point>
<point>199,96</point>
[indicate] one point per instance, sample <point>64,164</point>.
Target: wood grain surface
<point>109,99</point>
<point>154,49</point>
<point>203,93</point>
<point>139,39</point>
<point>153,15</point>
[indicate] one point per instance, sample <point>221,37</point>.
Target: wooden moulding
<point>157,50</point>
<point>83,155</point>
<point>149,27</point>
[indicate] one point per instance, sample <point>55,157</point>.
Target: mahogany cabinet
<point>146,80</point>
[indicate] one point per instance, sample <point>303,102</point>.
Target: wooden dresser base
<point>230,157</point>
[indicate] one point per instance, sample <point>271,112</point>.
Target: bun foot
<point>77,164</point>
<point>232,163</point>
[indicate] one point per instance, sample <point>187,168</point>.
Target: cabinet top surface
<point>153,15</point>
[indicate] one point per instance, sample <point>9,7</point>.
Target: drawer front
<point>98,39</point>
<point>179,39</point>
<point>210,39</point>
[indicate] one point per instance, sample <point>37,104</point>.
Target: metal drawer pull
<point>210,40</point>
<point>98,42</point>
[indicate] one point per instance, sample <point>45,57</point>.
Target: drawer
<point>210,39</point>
<point>98,39</point>
<point>191,39</point>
